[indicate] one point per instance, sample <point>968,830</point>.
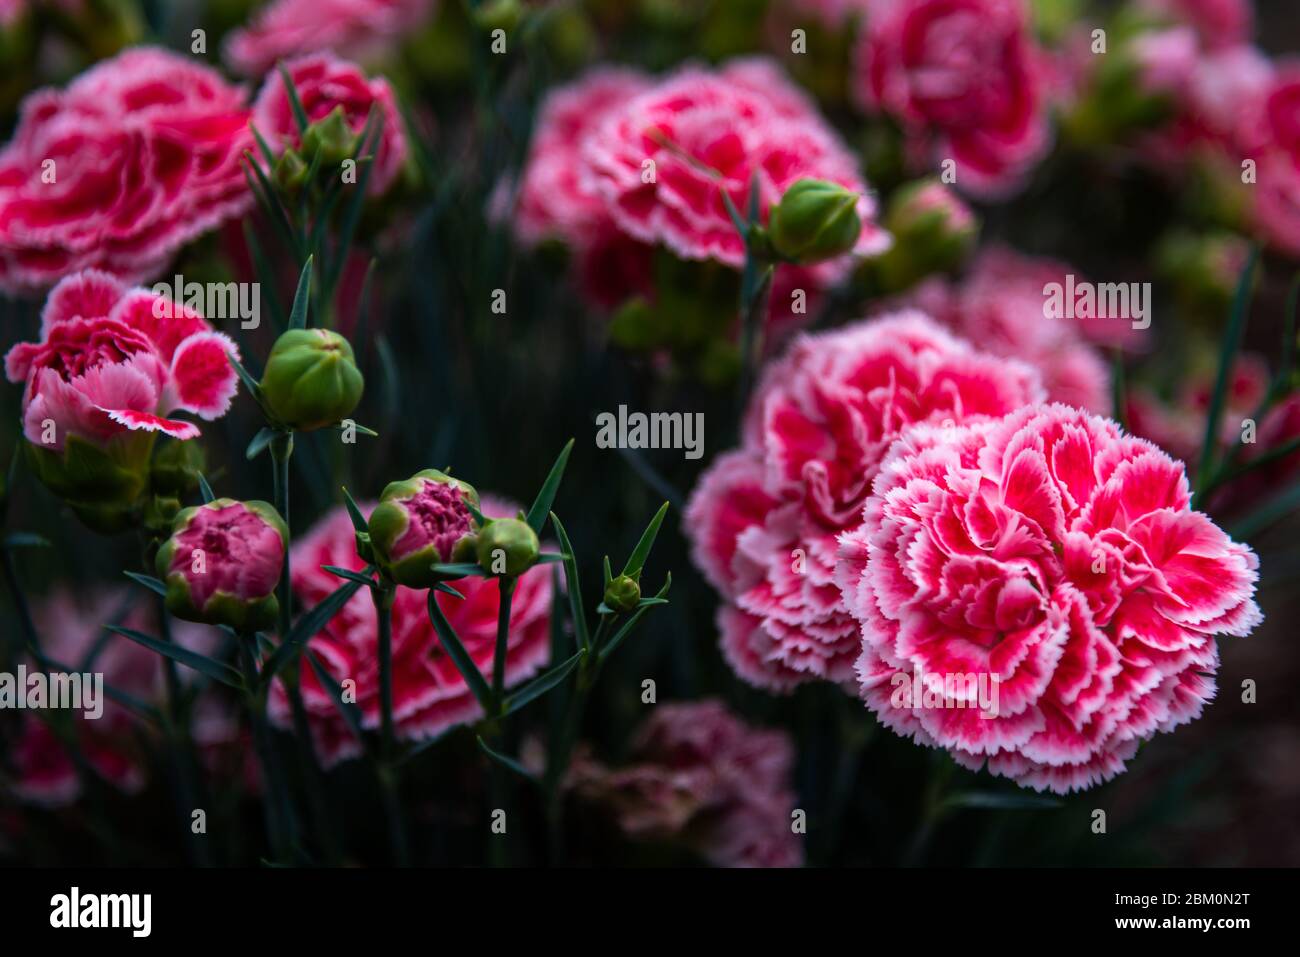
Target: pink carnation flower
<point>1002,305</point>
<point>138,156</point>
<point>71,627</point>
<point>707,133</point>
<point>1036,593</point>
<point>966,81</point>
<point>323,83</point>
<point>358,29</point>
<point>700,776</point>
<point>429,693</point>
<point>112,360</point>
<point>1272,139</point>
<point>764,518</point>
<point>1218,23</point>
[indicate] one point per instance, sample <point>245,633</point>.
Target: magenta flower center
<point>437,516</point>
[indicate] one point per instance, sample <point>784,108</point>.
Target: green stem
<point>507,584</point>
<point>278,815</point>
<point>281,450</point>
<point>383,595</point>
<point>20,601</point>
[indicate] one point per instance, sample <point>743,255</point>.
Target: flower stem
<point>383,595</point>
<point>279,816</point>
<point>281,450</point>
<point>507,585</point>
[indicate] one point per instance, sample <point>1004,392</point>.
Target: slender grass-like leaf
<point>1231,344</point>
<point>509,763</point>
<point>350,713</point>
<point>26,540</point>
<point>295,104</point>
<point>359,522</point>
<point>541,684</point>
<point>350,575</point>
<point>306,627</point>
<point>455,649</point>
<point>216,670</point>
<point>636,561</point>
<point>205,490</point>
<point>261,440</point>
<point>546,496</point>
<point>301,298</point>
<point>573,585</point>
<point>148,581</point>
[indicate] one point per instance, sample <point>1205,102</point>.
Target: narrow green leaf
<point>448,590</point>
<point>508,763</point>
<point>541,684</point>
<point>269,201</point>
<point>549,558</point>
<point>736,219</point>
<point>265,277</point>
<point>250,383</point>
<point>609,571</point>
<point>461,570</point>
<point>994,800</point>
<point>546,497</point>
<point>26,540</point>
<point>573,586</point>
<point>306,627</point>
<point>261,440</point>
<point>350,713</point>
<point>354,512</point>
<point>1232,336</point>
<point>460,657</point>
<point>263,145</point>
<point>350,575</point>
<point>295,104</point>
<point>636,561</point>
<point>149,582</point>
<point>216,670</point>
<point>301,298</point>
<point>352,212</point>
<point>205,489</point>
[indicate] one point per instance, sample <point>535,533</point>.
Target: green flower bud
<point>290,172</point>
<point>622,593</point>
<point>507,546</point>
<point>102,482</point>
<point>176,467</point>
<point>498,15</point>
<point>222,563</point>
<point>311,379</point>
<point>331,137</point>
<point>421,522</point>
<point>814,221</point>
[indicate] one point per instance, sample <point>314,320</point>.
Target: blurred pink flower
<point>429,693</point>
<point>1001,305</point>
<point>324,82</point>
<point>71,628</point>
<point>112,360</point>
<point>1053,563</point>
<point>764,519</point>
<point>1218,23</point>
<point>700,776</point>
<point>966,81</point>
<point>704,134</point>
<point>358,29</point>
<point>138,156</point>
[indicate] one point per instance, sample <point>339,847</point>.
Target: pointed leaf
<point>354,512</point>
<point>301,298</point>
<point>261,440</point>
<point>546,497</point>
<point>307,627</point>
<point>455,649</point>
<point>573,586</point>
<point>216,670</point>
<point>541,684</point>
<point>148,581</point>
<point>1227,359</point>
<point>295,104</point>
<point>350,713</point>
<point>636,561</point>
<point>205,489</point>
<point>626,630</point>
<point>508,763</point>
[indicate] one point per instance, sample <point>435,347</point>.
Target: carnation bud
<point>421,522</point>
<point>176,467</point>
<point>933,231</point>
<point>622,593</point>
<point>222,563</point>
<point>290,171</point>
<point>512,539</point>
<point>814,221</point>
<point>331,137</point>
<point>102,483</point>
<point>498,15</point>
<point>311,379</point>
